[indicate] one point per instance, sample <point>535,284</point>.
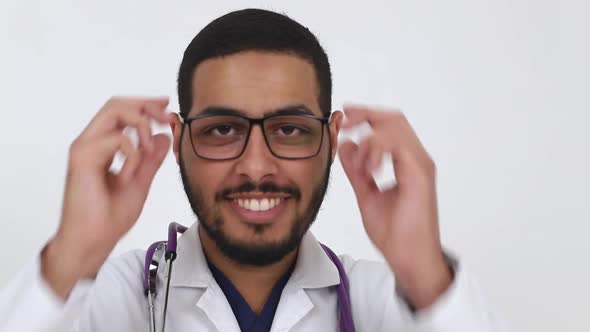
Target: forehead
<point>255,82</point>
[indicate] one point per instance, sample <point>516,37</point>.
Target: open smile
<point>258,208</point>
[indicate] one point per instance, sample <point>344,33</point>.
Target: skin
<point>255,83</point>
<point>100,207</point>
<point>402,221</point>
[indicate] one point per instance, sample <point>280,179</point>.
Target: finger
<point>397,137</point>
<point>362,152</point>
<point>119,113</point>
<point>97,154</point>
<point>133,158</point>
<point>361,184</point>
<point>126,120</point>
<point>145,133</point>
<point>374,158</point>
<point>347,151</point>
<point>355,115</point>
<point>156,112</point>
<point>369,155</point>
<point>152,161</point>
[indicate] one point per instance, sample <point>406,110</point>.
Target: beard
<point>246,253</point>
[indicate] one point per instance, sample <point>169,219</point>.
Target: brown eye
<point>289,130</point>
<point>223,130</point>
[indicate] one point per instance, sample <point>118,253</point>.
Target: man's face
<point>255,84</point>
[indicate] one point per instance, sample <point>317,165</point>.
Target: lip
<point>256,195</point>
<point>258,217</point>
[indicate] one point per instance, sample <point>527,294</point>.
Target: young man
<point>254,141</point>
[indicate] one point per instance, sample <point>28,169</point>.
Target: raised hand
<point>99,207</point>
<point>402,221</point>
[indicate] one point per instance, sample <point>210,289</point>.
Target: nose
<point>257,162</point>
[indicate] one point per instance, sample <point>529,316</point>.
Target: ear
<point>335,125</point>
<point>176,126</point>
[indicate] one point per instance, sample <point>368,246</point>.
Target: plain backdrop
<point>497,91</point>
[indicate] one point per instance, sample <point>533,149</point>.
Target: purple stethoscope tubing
<point>343,294</point>
<point>169,247</point>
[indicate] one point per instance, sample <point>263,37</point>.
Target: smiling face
<point>256,207</point>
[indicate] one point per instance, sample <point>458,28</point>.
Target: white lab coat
<point>115,300</point>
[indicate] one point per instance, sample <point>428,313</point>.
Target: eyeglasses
<point>224,137</point>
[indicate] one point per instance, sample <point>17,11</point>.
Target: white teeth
<point>264,204</point>
<point>254,205</point>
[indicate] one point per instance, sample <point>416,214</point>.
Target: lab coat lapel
<point>191,270</point>
<point>313,269</point>
<point>294,305</point>
<point>190,266</point>
<point>215,305</point>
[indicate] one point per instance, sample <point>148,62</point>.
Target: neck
<point>254,283</point>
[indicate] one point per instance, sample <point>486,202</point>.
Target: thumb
<point>362,182</point>
<point>153,160</point>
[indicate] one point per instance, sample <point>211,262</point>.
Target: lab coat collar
<point>190,267</point>
<point>313,268</point>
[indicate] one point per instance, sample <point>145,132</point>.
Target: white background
<point>497,90</point>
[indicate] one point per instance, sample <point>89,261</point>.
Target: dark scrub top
<point>247,319</point>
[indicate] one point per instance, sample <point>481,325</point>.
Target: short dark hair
<point>258,30</point>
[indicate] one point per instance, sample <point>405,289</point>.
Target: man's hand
<point>402,221</point>
<point>99,207</point>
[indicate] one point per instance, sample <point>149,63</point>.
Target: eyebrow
<point>296,109</point>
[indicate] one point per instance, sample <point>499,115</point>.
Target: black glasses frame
<point>251,123</point>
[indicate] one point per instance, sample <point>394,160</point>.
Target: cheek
<point>209,177</point>
<point>308,174</point>
<point>196,167</point>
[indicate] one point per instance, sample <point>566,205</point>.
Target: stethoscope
<point>167,251</point>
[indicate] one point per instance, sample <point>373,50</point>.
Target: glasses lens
<point>219,137</point>
<point>293,136</point>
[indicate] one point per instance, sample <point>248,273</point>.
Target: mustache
<point>264,187</point>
